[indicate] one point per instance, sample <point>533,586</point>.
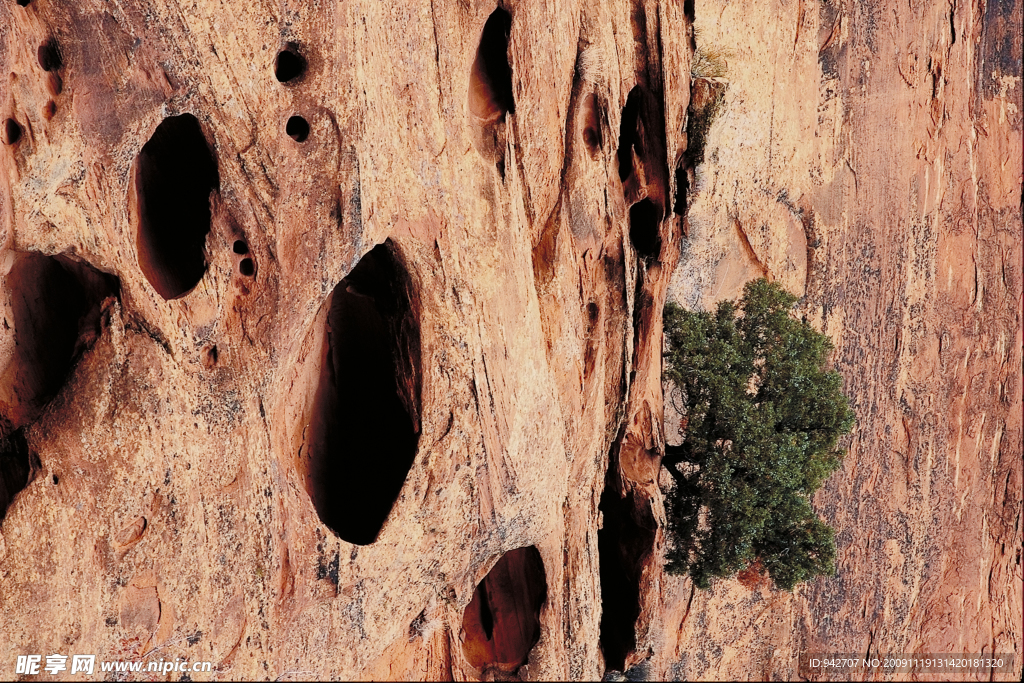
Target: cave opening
<point>490,83</point>
<point>174,176</point>
<point>289,65</point>
<point>364,427</point>
<point>630,133</point>
<point>501,623</point>
<point>644,228</point>
<point>623,547</point>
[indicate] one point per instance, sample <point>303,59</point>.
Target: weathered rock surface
<point>432,253</point>
<point>396,329</point>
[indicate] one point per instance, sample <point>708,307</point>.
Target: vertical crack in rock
<point>490,87</point>
<point>501,624</point>
<point>174,176</point>
<point>364,427</point>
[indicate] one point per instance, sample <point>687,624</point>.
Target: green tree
<point>763,417</point>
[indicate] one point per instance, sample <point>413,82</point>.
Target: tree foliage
<point>763,417</point>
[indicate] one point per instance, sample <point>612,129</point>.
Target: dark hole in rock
<point>297,129</point>
<point>240,247</point>
<point>56,480</point>
<point>14,468</point>
<point>623,547</point>
<point>24,3</point>
<point>289,64</point>
<point>12,132</point>
<point>592,124</point>
<point>644,228</point>
<point>247,267</point>
<point>49,56</point>
<point>210,357</point>
<point>502,621</point>
<point>174,176</point>
<point>55,306</point>
<point>490,84</point>
<point>630,133</point>
<point>688,9</point>
<point>364,427</point>
<point>49,109</point>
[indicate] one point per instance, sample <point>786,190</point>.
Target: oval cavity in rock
<point>502,621</point>
<point>174,176</point>
<point>289,65</point>
<point>644,228</point>
<point>364,427</point>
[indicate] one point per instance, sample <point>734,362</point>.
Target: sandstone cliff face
<point>869,155</point>
<point>332,340</point>
<point>345,310</point>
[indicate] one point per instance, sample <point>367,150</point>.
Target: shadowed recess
<point>502,621</point>
<point>364,427</point>
<point>289,65</point>
<point>490,84</point>
<point>49,56</point>
<point>682,187</point>
<point>623,546</point>
<point>54,306</point>
<point>14,468</point>
<point>644,223</point>
<point>12,132</point>
<point>174,176</point>
<point>592,124</point>
<point>630,133</point>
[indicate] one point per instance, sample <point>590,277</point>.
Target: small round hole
<point>297,129</point>
<point>12,132</point>
<point>240,247</point>
<point>56,480</point>
<point>247,267</point>
<point>289,65</point>
<point>49,56</point>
